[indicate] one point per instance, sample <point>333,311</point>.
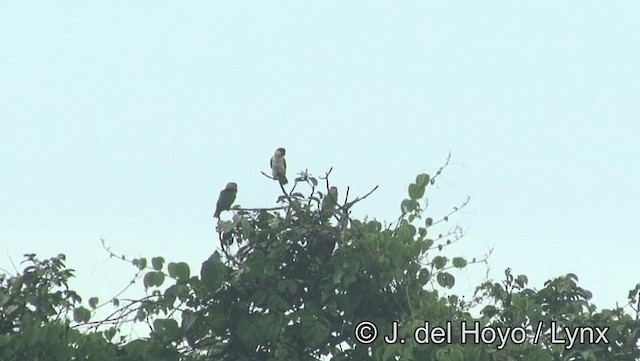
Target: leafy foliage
<point>294,282</point>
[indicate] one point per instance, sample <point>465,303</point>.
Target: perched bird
<point>330,200</point>
<point>279,166</point>
<point>226,198</point>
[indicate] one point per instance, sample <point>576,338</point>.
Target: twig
<point>457,232</point>
<point>288,195</point>
<point>326,182</point>
<point>446,163</point>
<point>326,175</point>
<point>313,189</point>
<point>13,265</point>
<point>455,209</point>
<point>124,289</point>
<point>348,205</point>
<point>346,196</point>
<point>260,209</point>
<point>268,176</point>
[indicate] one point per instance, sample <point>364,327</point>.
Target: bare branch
<point>358,199</point>
<point>346,196</point>
<point>13,265</point>
<point>268,176</point>
<point>326,176</point>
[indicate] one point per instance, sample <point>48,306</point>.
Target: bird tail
<point>283,180</point>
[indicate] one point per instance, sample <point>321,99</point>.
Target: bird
<point>330,200</point>
<point>279,166</point>
<point>226,198</point>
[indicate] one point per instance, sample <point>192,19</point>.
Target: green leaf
<point>416,191</point>
<point>260,296</point>
<point>446,279</point>
<point>141,263</point>
<point>439,262</point>
<point>4,340</point>
<point>153,279</point>
<point>428,243</point>
<point>422,179</point>
<point>171,292</point>
<point>108,334</point>
<point>292,286</point>
<point>81,315</point>
<point>424,276</point>
<point>268,270</point>
<point>373,226</point>
<point>277,302</point>
<point>406,231</point>
<point>167,329</point>
<point>213,272</point>
<point>147,280</point>
<point>282,285</point>
<point>422,231</point>
<point>179,271</point>
<point>522,281</point>
<point>413,190</point>
<point>157,263</point>
<point>459,262</point>
<point>456,353</point>
<point>93,302</point>
<point>159,277</point>
<point>519,301</point>
<point>409,205</point>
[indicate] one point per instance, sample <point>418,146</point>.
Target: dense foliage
<point>294,282</point>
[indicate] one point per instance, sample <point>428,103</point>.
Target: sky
<point>123,121</point>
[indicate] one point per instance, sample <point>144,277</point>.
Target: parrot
<point>226,198</point>
<point>330,200</point>
<point>279,166</point>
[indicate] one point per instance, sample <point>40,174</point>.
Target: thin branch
<point>346,196</point>
<point>284,191</point>
<point>457,232</point>
<point>268,176</point>
<point>13,265</point>
<point>455,209</point>
<point>313,190</point>
<point>446,163</point>
<point>326,175</point>
<point>260,209</point>
<point>348,205</point>
<point>326,182</point>
<point>276,179</point>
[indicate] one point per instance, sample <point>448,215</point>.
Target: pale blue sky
<point>124,120</point>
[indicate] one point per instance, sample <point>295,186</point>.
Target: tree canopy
<point>299,281</point>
